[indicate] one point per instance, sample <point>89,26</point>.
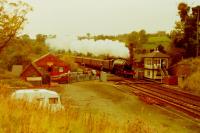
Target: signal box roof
<point>156,54</point>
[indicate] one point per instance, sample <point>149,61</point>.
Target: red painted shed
<point>47,64</point>
<point>52,64</point>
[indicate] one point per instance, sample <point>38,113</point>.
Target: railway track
<point>183,96</point>
<point>157,94</point>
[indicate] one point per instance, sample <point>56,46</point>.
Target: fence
<point>75,77</point>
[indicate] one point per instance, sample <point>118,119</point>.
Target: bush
<point>5,89</point>
<point>192,83</point>
<point>17,83</point>
<point>4,74</point>
<point>193,62</point>
<point>69,60</point>
<point>10,85</point>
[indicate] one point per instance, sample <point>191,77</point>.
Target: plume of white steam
<point>101,47</point>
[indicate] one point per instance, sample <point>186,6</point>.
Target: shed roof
<point>51,57</point>
<point>35,67</point>
<point>41,57</point>
<point>156,54</point>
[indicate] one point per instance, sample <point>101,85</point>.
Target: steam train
<point>118,66</point>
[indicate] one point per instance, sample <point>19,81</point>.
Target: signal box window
<point>53,100</point>
<point>148,73</point>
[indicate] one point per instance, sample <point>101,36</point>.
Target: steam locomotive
<point>118,66</point>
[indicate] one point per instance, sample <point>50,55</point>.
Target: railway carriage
<point>117,66</point>
<point>108,65</point>
<point>87,61</point>
<point>79,60</point>
<point>97,63</point>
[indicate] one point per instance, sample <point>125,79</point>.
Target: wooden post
<point>197,32</point>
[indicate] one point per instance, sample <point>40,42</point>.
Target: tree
<point>22,50</point>
<point>161,48</point>
<point>41,38</point>
<point>142,37</point>
<point>88,35</point>
<point>184,34</point>
<point>132,41</point>
<point>183,10</point>
<point>12,18</point>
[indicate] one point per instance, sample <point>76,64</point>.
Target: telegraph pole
<point>197,31</point>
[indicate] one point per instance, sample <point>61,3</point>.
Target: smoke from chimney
<point>100,47</point>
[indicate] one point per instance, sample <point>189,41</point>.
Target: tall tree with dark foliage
<point>185,33</point>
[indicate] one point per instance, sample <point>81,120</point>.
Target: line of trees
<point>140,37</point>
<point>22,50</point>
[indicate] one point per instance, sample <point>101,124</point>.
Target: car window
<point>53,100</point>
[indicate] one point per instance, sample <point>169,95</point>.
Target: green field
<point>153,42</point>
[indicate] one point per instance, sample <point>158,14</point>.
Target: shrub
<point>69,60</point>
<point>192,83</point>
<point>5,89</point>
<point>194,63</point>
<point>4,74</point>
<point>16,83</point>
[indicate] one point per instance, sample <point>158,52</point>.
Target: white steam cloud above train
<point>100,47</point>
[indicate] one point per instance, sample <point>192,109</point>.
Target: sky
<point>111,17</point>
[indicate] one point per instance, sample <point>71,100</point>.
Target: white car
<point>45,98</point>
